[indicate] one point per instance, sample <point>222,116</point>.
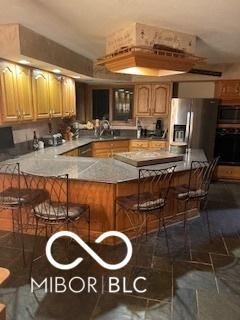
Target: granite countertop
<point>49,161</point>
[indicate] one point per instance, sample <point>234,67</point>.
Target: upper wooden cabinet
<point>227,89</point>
<point>41,99</point>
<point>161,95</point>
<point>55,96</point>
<point>143,100</point>
<point>9,109</point>
<point>16,92</point>
<point>69,97</point>
<point>24,92</point>
<point>152,99</point>
<point>29,94</point>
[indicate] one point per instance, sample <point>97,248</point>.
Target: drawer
<point>158,144</point>
<point>120,144</point>
<point>139,144</point>
<point>101,153</point>
<point>228,172</point>
<point>102,145</point>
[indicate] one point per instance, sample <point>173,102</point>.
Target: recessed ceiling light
<point>56,70</point>
<point>24,61</point>
<point>76,77</point>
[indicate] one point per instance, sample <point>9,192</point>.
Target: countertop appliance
<point>227,146</point>
<point>229,114</point>
<point>193,121</point>
<point>52,139</point>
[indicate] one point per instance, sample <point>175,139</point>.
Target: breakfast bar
<point>99,181</point>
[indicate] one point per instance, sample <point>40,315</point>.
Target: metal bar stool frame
<point>200,176</point>
<point>151,199</point>
<point>54,211</point>
<point>10,196</point>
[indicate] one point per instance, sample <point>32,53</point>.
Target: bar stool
<point>151,199</point>
<point>197,188</point>
<point>4,275</point>
<point>55,210</point>
<point>15,197</point>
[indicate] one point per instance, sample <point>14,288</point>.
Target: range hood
<point>141,49</point>
<point>150,61</point>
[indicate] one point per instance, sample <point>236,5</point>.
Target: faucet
<point>104,126</point>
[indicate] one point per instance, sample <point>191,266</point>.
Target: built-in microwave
<point>229,114</point>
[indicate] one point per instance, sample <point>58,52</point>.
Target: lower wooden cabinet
<point>106,149</point>
<point>138,145</point>
<point>72,153</point>
<point>228,172</point>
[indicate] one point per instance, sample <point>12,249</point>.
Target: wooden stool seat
<point>4,275</point>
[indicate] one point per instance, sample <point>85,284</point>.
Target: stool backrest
<point>56,203</point>
<point>9,179</point>
<point>200,175</point>
<point>153,187</point>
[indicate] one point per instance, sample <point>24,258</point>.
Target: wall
<point>196,89</point>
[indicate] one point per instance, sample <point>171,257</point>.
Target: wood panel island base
<point>98,182</point>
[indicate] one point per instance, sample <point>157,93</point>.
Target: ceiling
<point>83,25</point>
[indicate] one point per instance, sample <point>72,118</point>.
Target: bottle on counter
<point>35,141</point>
<point>139,129</point>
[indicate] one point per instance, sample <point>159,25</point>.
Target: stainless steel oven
<point>229,114</point>
<point>227,146</point>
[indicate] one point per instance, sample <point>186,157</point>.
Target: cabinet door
<point>228,90</point>
<point>41,94</point>
<point>9,110</point>
<point>55,95</point>
<point>69,97</point>
<point>143,100</point>
<point>161,94</point>
<point>72,96</point>
<point>24,92</point>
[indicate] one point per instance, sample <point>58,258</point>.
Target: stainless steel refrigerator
<point>193,121</point>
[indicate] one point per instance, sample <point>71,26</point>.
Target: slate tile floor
<point>202,283</point>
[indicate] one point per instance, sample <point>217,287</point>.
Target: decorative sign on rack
<point>138,34</point>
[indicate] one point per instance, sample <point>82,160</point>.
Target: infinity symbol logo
<point>83,244</point>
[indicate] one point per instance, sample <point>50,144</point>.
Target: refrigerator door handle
<point>191,129</point>
<point>187,127</point>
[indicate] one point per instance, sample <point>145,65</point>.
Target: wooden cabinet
<point>152,100</point>
<point>24,92</point>
<point>106,149</point>
<point>161,95</point>
<point>69,97</point>
<point>158,144</point>
<point>138,145</point>
<point>227,89</point>
<point>16,93</point>
<point>72,153</point>
<point>41,94</point>
<point>143,100</point>
<point>55,95</point>
<point>9,104</point>
<point>228,172</point>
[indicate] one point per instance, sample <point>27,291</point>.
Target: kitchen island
<point>98,182</point>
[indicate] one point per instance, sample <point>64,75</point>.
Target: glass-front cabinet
<point>122,104</point>
<point>113,103</point>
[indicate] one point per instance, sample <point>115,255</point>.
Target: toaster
<point>52,139</point>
